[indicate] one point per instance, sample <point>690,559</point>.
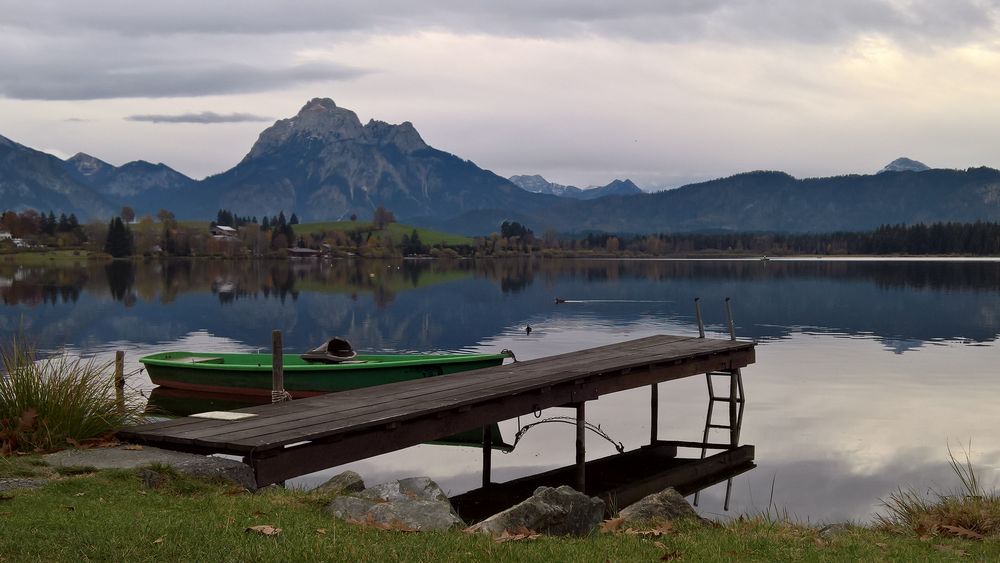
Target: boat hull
<point>250,374</point>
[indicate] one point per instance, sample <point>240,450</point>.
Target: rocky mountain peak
<point>403,136</point>
<point>319,120</point>
<point>904,164</point>
<point>87,165</point>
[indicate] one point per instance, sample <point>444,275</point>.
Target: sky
<point>664,92</point>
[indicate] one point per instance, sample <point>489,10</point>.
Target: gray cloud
<point>62,79</point>
<point>202,117</point>
<point>809,21</point>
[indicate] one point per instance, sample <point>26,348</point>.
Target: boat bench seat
<point>197,360</point>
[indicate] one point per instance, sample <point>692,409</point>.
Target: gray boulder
<point>346,482</point>
<point>416,503</point>
<point>667,504</point>
<point>20,483</point>
<point>558,512</point>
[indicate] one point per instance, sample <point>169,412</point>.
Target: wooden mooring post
<point>120,380</point>
<point>277,368</point>
<point>581,446</point>
<point>487,454</point>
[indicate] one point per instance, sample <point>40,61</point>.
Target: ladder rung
<point>719,426</point>
<point>725,399</point>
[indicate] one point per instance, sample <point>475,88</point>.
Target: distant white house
<point>223,231</point>
<point>4,235</point>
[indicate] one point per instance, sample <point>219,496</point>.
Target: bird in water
<point>527,329</point>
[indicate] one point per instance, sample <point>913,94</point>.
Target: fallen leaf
<point>881,545</point>
<point>258,514</point>
<point>158,540</point>
<point>671,555</point>
<point>321,531</point>
<point>265,529</point>
<point>519,534</point>
<point>69,508</point>
<point>662,529</point>
<point>142,492</point>
<point>79,494</point>
<point>612,525</point>
<point>659,545</point>
<point>6,497</point>
<point>963,532</point>
<point>132,447</point>
<point>819,542</point>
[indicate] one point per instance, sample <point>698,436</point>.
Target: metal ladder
<point>736,399</point>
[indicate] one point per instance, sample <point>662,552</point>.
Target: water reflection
<point>866,370</point>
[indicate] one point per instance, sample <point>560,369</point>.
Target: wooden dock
<point>285,440</point>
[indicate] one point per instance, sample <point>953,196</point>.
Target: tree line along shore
<point>232,236</point>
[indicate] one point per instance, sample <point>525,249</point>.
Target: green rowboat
<point>250,374</point>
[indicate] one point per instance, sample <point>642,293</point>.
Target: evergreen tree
<point>119,243</point>
<point>294,220</point>
<point>63,223</point>
<point>266,225</point>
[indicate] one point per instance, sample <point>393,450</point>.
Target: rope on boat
<point>280,396</point>
<point>595,428</point>
<point>509,352</point>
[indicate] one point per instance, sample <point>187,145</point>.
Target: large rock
<point>128,457</point>
<point>416,503</point>
<point>21,483</point>
<point>667,504</point>
<point>342,483</point>
<point>558,512</point>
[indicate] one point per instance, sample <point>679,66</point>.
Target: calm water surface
<point>867,370</point>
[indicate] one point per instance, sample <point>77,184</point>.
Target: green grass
<point>111,516</point>
<point>50,404</point>
<point>45,256</point>
<point>394,232</point>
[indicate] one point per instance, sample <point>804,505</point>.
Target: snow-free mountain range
<point>324,165</point>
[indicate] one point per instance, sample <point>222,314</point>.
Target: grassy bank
<point>45,256</point>
<point>111,515</point>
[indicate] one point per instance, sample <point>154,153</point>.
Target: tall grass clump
<point>971,512</point>
<point>49,404</point>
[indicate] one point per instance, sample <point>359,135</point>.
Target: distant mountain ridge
<point>324,164</point>
<point>537,184</point>
<point>904,164</point>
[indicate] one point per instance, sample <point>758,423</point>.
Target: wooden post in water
<point>277,368</point>
<point>120,380</point>
<point>654,412</point>
<point>698,319</point>
<point>487,453</point>
<point>734,437</point>
<point>581,446</point>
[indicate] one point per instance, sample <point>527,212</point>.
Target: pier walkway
<point>285,440</point>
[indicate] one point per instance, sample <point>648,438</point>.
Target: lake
<point>867,370</point>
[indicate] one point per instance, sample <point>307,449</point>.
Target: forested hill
<point>771,201</point>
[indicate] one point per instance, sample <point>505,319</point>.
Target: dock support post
<point>277,368</point>
<point>120,380</point>
<point>581,447</point>
<point>697,317</point>
<point>487,454</point>
<point>654,412</point>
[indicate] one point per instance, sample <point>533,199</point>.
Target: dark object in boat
<point>334,351</point>
<point>527,329</point>
<point>560,300</point>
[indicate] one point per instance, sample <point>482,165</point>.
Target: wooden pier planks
<point>360,423</point>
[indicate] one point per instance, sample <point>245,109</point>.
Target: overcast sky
<point>580,91</point>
